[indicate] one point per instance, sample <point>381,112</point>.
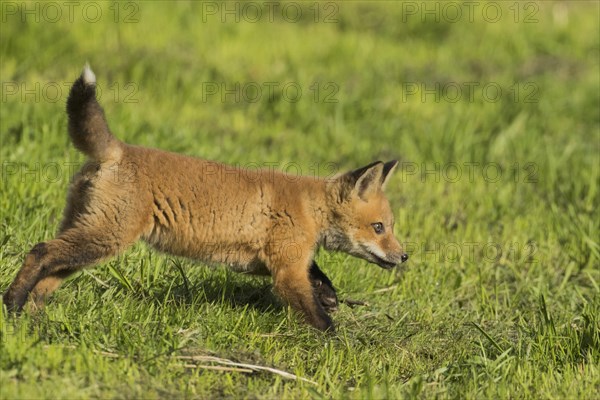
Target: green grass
<point>501,296</point>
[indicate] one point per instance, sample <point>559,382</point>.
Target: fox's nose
<point>404,257</point>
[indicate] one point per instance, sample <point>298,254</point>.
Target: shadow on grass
<point>254,292</point>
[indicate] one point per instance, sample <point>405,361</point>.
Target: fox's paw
<point>326,295</point>
<point>14,302</point>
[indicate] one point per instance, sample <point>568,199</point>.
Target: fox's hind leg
<point>94,228</point>
<point>46,286</point>
<point>49,263</point>
<point>323,288</point>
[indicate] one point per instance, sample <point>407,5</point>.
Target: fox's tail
<point>87,125</point>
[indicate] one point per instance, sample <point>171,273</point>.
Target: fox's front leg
<point>323,288</point>
<point>294,286</point>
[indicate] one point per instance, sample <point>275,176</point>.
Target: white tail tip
<point>89,78</point>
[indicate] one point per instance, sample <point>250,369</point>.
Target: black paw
<point>323,288</point>
<point>322,321</point>
<point>326,295</point>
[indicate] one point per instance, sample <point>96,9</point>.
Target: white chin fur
<point>375,250</point>
<point>88,75</point>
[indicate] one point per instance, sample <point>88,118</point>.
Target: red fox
<point>260,222</point>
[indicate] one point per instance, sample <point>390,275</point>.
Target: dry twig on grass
<point>241,366</point>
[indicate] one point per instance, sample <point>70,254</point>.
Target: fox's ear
<point>388,168</point>
<point>363,182</point>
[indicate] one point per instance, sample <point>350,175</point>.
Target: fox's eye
<point>378,227</point>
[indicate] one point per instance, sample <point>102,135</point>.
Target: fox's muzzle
<point>391,262</point>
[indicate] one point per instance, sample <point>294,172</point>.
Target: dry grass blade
<point>107,354</point>
<point>251,367</point>
<point>218,368</point>
<point>269,335</point>
<point>353,303</point>
<point>383,290</point>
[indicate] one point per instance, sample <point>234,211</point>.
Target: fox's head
<point>361,220</point>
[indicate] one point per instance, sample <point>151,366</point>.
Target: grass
<point>501,296</point>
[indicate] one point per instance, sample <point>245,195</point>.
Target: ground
<point>492,109</point>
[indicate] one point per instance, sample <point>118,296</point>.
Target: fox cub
<point>260,222</point>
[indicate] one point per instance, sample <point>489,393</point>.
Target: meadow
<point>492,109</point>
